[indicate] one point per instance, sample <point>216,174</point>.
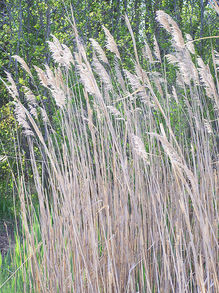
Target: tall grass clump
<point>125,173</point>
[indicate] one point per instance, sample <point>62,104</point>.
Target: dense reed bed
<point>125,176</point>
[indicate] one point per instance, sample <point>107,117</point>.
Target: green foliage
<point>16,265</point>
<point>0,260</point>
<point>7,159</point>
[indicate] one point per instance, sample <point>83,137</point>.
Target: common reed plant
<point>128,183</point>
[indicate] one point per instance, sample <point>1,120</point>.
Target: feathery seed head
<point>102,73</point>
<point>139,148</point>
<point>189,44</point>
<point>207,79</point>
<point>133,80</point>
<point>61,53</point>
<point>99,50</point>
<point>156,49</point>
<point>23,64</point>
<point>42,76</point>
<point>12,87</point>
<point>110,43</point>
<point>171,26</point>
<point>163,19</point>
<point>147,53</point>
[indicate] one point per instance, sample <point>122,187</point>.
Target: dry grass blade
<point>175,158</point>
<point>175,94</point>
<point>133,38</point>
<point>217,59</point>
<point>215,5</point>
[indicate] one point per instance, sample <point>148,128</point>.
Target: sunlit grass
<point>125,174</point>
